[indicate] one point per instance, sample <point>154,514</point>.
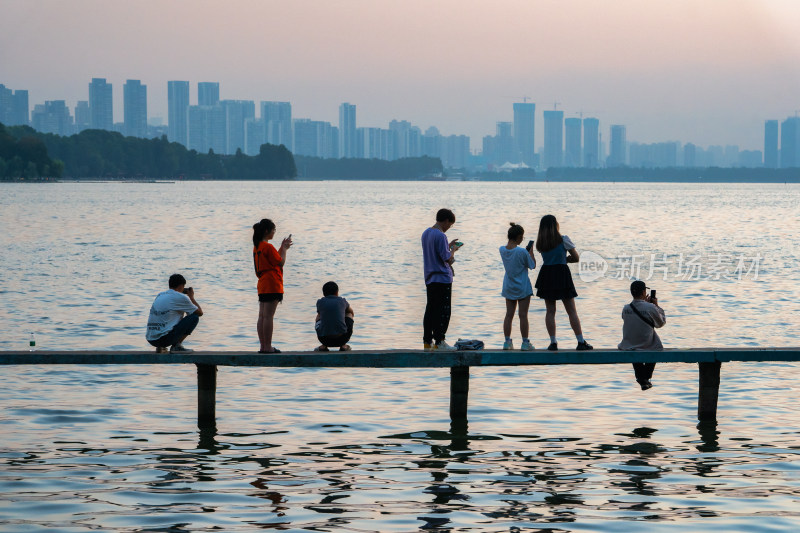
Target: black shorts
<point>271,297</point>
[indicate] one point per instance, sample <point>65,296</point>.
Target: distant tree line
<point>106,154</point>
<point>25,157</point>
<point>674,174</point>
<point>364,169</point>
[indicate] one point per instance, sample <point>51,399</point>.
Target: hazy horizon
<point>707,73</point>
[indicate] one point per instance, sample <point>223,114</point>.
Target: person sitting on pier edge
<point>639,320</point>
<point>167,326</point>
<point>334,321</point>
<point>438,256</point>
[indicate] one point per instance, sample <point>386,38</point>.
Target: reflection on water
<point>579,448</point>
<point>374,450</point>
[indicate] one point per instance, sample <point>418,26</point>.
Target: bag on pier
<point>468,344</point>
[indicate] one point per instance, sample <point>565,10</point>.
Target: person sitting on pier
<point>334,321</point>
<point>167,325</point>
<point>639,320</point>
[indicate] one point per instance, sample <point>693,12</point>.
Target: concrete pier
<point>709,361</point>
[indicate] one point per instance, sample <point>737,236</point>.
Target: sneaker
<point>178,348</point>
<point>584,346</point>
<point>508,345</point>
<point>345,348</point>
<point>321,348</point>
<point>428,347</point>
<point>553,347</point>
<point>162,349</point>
<point>646,385</point>
<point>526,346</point>
<point>443,346</point>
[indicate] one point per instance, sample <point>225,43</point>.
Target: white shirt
<point>638,334</point>
<point>516,283</point>
<point>167,310</point>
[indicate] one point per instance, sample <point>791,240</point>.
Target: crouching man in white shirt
<point>640,318</point>
<point>173,317</point>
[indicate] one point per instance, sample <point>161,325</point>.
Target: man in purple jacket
<point>438,256</point>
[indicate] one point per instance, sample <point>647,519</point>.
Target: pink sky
<point>708,72</point>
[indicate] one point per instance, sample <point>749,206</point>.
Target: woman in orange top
<point>268,263</point>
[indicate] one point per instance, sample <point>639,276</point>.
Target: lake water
<point>547,449</point>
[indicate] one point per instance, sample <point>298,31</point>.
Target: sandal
<point>274,350</point>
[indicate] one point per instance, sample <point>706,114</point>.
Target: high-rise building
<point>316,139</point>
<point>253,136</point>
<point>432,142</point>
<point>572,142</point>
<point>553,138</point>
<point>101,105</point>
<point>656,155</point>
<point>790,143</point>
<point>237,112</point>
<point>690,155</point>
<point>455,153</point>
<point>400,131</point>
<point>619,147</point>
<point>135,108</point>
<point>277,120</point>
<point>207,129</point>
<point>83,116</point>
<point>347,131</point>
<point>505,150</point>
<point>591,143</point>
<point>524,121</point>
<point>208,93</point>
<point>178,111</point>
<point>13,107</point>
<point>52,117</point>
<point>771,143</point>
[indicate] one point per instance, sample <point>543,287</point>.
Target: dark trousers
<point>337,341</point>
<point>643,371</point>
<point>437,312</point>
<point>183,328</point>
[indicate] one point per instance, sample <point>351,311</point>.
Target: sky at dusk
<point>708,72</point>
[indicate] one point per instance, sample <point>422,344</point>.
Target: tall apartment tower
<point>524,121</point>
<point>208,93</point>
<point>347,131</point>
<point>790,143</point>
<point>135,107</point>
<point>14,109</point>
<point>619,147</point>
<point>277,119</point>
<point>572,142</point>
<point>771,143</point>
<point>237,113</point>
<point>591,143</point>
<point>101,108</point>
<point>553,138</point>
<point>82,116</point>
<point>177,110</point>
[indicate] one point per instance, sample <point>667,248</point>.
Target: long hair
<point>515,231</point>
<point>549,236</point>
<point>261,228</point>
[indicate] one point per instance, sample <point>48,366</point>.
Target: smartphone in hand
<point>529,247</point>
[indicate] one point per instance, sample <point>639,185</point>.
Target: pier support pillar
<point>206,396</point>
<point>459,392</point>
<point>709,391</point>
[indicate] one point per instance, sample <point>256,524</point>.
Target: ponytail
<point>260,229</point>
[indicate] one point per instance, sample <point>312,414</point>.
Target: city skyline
<point>706,73</point>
